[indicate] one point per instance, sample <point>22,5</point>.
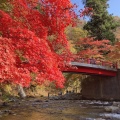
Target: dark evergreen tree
<point>101,24</point>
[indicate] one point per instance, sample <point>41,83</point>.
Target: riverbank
<point>44,109</point>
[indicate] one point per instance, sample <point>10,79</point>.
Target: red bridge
<point>93,67</point>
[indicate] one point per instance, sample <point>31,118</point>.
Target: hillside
<point>117,32</point>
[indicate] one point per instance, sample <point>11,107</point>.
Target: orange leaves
<point>115,53</point>
<point>89,47</point>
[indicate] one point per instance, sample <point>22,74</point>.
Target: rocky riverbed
<point>44,109</point>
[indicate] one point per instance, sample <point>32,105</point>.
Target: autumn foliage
<point>87,11</point>
<point>88,47</point>
<point>114,55</point>
<point>24,44</point>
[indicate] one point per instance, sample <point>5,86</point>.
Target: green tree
<point>101,24</point>
<point>73,81</point>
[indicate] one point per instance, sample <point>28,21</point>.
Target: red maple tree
<point>24,44</point>
<point>88,47</point>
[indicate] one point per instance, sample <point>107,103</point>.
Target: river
<point>37,109</point>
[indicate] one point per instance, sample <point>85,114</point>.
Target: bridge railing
<point>97,62</point>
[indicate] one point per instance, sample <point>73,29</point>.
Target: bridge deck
<point>91,69</point>
<point>77,64</point>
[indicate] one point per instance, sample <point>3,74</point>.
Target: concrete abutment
<point>101,87</point>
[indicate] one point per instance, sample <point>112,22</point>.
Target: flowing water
<point>35,109</point>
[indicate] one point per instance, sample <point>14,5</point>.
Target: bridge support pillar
<point>101,87</point>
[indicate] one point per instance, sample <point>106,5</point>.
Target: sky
<point>114,6</point>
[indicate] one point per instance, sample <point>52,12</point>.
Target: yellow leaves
<point>72,49</point>
<point>75,33</point>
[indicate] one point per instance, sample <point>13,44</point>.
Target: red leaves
<point>24,47</point>
<point>90,47</point>
<point>7,59</point>
<point>87,11</point>
<point>5,22</point>
<point>37,55</point>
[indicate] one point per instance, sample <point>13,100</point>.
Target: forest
<point>39,38</point>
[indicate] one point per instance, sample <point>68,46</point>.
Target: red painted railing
<point>97,62</point>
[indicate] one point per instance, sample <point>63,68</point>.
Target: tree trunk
<point>21,91</point>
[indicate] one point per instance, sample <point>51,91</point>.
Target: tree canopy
<point>101,24</point>
<point>25,46</point>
